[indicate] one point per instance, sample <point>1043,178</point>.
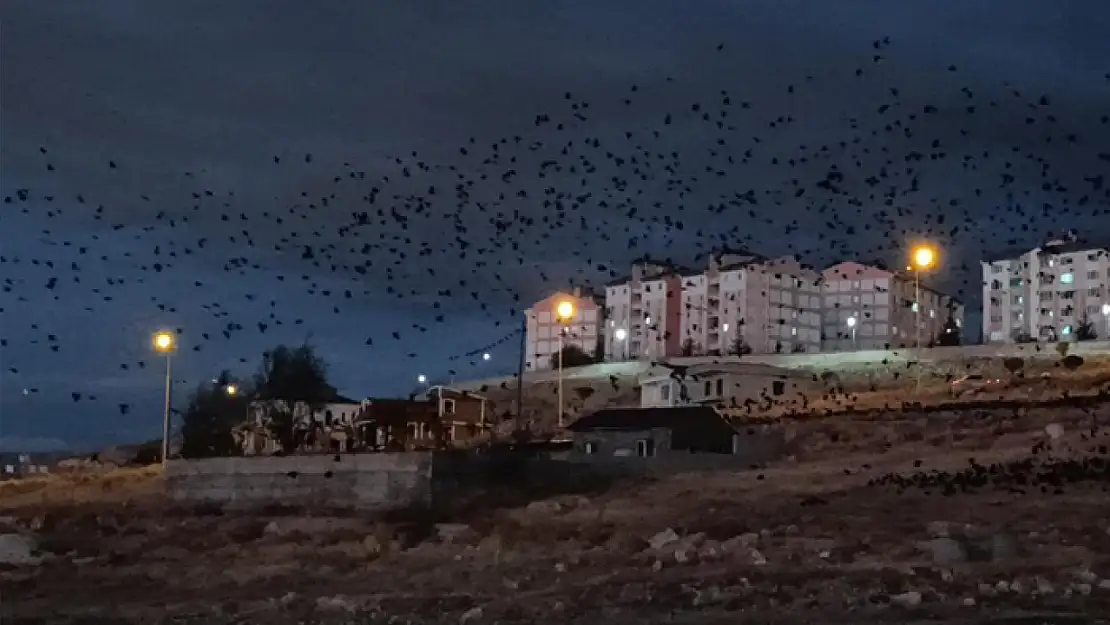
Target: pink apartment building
<point>542,339</point>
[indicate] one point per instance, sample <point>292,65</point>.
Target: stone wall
<point>358,481</point>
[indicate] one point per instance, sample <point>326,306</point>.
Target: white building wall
<point>1046,293</point>
<point>618,304</point>
<point>695,317</point>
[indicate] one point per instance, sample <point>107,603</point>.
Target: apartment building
<point>867,307</point>
<point>746,301</point>
<point>643,313</point>
<point>1047,293</point>
<point>544,327</point>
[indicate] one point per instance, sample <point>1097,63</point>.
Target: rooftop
<point>635,419</point>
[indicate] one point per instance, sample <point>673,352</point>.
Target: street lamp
<point>621,334</point>
<point>164,343</point>
<point>422,379</point>
<point>1106,318</point>
<point>852,326</point>
<point>232,390</point>
<point>564,314</point>
<point>485,356</point>
<point>923,258</point>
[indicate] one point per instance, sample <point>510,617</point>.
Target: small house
<point>726,385</point>
<point>461,415</point>
<point>649,432</point>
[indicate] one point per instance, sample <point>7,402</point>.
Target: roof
<point>1068,247</point>
<point>447,391</point>
<point>663,372</point>
<point>635,419</point>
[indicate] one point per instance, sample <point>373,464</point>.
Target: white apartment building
<point>544,328</point>
<point>745,300</point>
<point>866,307</point>
<point>1047,293</point>
<point>643,313</point>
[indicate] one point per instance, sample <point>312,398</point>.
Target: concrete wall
<point>359,481</point>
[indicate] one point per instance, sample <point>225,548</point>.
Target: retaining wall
<point>358,481</point>
<point>817,361</point>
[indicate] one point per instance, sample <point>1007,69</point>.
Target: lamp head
<point>163,341</point>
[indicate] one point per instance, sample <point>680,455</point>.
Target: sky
<point>208,167</point>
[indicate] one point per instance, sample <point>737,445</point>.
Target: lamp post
<point>923,258</point>
<point>164,343</point>
<point>852,326</point>
<point>564,313</point>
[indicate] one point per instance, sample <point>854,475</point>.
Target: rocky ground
<point>876,518</point>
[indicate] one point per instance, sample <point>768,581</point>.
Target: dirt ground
<point>820,537</point>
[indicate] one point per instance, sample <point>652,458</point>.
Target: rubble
<point>18,549</point>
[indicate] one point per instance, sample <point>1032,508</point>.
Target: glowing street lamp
<point>165,343</point>
<point>1106,318</point>
<point>422,379</point>
<point>564,314</point>
<point>924,257</point>
<point>852,321</point>
<point>232,390</point>
<point>621,334</point>
<point>485,356</point>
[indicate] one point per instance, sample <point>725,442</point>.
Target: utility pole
<point>520,372</point>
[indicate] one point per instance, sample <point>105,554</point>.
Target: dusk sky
<point>200,165</point>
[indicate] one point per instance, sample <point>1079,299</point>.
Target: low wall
<point>358,481</point>
<point>817,361</point>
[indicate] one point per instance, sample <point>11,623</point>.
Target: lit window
<point>1066,331</point>
<point>1067,278</point>
<point>932,313</point>
<point>914,307</point>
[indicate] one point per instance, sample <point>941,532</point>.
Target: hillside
<point>875,518</point>
<point>862,386</point>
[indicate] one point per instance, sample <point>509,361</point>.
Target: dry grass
<point>122,486</point>
<point>583,559</point>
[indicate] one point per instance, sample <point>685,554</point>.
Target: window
<point>1066,331</point>
<point>778,387</point>
<point>448,406</point>
<point>665,391</point>
<point>708,388</point>
<point>645,448</point>
<point>1067,278</point>
<point>590,448</point>
<point>720,387</point>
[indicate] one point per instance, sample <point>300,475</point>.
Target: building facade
<point>1059,291</point>
<point>727,385</point>
<point>746,303</point>
<point>644,313</point>
<point>866,307</point>
<point>544,328</point>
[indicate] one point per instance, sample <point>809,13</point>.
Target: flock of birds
<point>487,229</point>
<point>1041,472</point>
